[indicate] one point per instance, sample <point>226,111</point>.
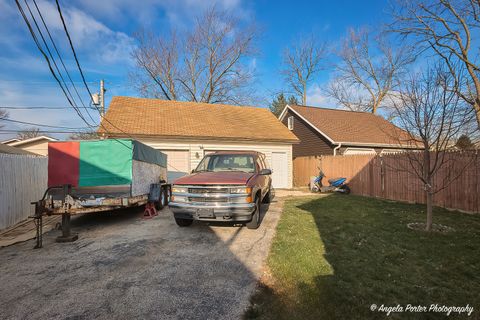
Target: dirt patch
<point>123,267</point>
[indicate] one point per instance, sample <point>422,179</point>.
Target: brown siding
<point>311,142</point>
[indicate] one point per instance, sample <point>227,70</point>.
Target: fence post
<point>382,176</point>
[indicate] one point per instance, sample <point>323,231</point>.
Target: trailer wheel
<point>162,200</point>
<point>167,194</point>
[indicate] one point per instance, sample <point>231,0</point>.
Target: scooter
<point>336,184</point>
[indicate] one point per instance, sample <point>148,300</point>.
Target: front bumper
<point>236,212</point>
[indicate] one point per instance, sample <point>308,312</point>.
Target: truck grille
<point>204,199</point>
<point>208,190</point>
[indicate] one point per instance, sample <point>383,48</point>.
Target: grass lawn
<point>333,257</point>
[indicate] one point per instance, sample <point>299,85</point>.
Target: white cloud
<point>89,36</point>
<point>315,96</point>
<point>177,12</point>
<point>100,34</point>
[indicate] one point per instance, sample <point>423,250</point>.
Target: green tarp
<point>109,162</point>
<point>105,162</point>
<point>148,154</point>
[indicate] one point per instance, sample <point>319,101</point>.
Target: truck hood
<point>215,178</point>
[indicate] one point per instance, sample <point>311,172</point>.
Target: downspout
<point>336,148</point>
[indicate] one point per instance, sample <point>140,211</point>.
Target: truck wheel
<point>183,222</point>
<point>162,200</point>
<point>268,196</point>
<point>255,222</point>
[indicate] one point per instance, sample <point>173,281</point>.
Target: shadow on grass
<point>333,257</point>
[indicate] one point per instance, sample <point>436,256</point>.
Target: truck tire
<point>161,203</point>
<point>255,222</point>
<point>183,222</point>
<point>268,196</point>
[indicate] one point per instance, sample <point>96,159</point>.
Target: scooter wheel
<point>346,189</point>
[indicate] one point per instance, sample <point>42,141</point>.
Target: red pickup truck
<point>226,186</point>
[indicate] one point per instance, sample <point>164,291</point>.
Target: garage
<point>178,163</point>
<point>186,131</point>
<point>279,166</point>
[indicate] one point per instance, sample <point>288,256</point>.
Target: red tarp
<point>63,163</point>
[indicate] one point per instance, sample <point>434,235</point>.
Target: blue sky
<point>102,34</point>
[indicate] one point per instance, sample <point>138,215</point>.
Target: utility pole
<point>102,99</point>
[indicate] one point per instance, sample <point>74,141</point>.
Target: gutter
<point>336,148</point>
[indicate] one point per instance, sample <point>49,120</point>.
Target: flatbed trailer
<point>101,175</point>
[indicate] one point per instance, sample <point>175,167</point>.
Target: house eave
<point>384,145</point>
<point>201,138</point>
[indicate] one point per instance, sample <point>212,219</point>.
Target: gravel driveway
<point>125,267</point>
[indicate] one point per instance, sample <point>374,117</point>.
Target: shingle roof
<point>354,127</point>
<point>165,118</point>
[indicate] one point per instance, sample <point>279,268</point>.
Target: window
<point>290,123</point>
<point>227,162</point>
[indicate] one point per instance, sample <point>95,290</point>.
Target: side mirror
<point>265,172</point>
<point>193,171</point>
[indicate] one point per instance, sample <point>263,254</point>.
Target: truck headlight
<point>179,189</point>
<point>241,190</point>
<point>179,199</point>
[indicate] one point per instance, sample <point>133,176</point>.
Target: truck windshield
<point>227,162</point>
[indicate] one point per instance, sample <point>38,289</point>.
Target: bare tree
<point>87,135</point>
<point>367,72</point>
<point>302,62</point>
<point>209,64</point>
<point>28,133</point>
<point>427,110</point>
<point>3,115</point>
<point>447,28</point>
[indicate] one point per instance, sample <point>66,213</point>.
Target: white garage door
<point>178,163</point>
<point>280,169</point>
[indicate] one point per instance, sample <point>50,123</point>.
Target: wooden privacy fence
<point>23,179</point>
<point>391,177</point>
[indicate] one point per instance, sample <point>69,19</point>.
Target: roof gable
<point>154,117</point>
<point>352,128</point>
<point>31,140</point>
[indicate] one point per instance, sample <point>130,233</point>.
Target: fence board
<point>23,179</point>
<point>390,177</point>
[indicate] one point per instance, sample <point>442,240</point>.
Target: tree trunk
<point>304,96</point>
<point>427,178</point>
<point>477,113</point>
<point>428,226</point>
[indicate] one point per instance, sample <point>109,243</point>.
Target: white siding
<point>197,149</point>
<point>23,179</point>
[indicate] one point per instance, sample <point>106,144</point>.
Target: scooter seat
<point>332,180</point>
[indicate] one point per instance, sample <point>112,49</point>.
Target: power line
<point>38,108</point>
<point>42,125</point>
<point>80,69</point>
<point>10,131</point>
<point>34,36</point>
<point>35,39</point>
<point>58,54</point>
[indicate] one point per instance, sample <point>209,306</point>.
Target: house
<point>37,145</point>
<point>340,132</point>
<point>186,131</point>
<point>4,148</point>
<point>7,142</point>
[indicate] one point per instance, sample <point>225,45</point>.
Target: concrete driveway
<point>125,267</point>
